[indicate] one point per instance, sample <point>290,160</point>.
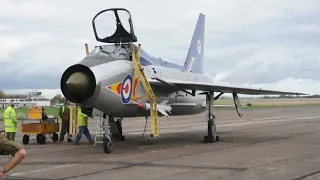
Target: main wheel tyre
<point>25,139</point>
<point>107,145</point>
<point>217,138</point>
<point>38,135</point>
<point>55,137</point>
<point>119,127</point>
<point>42,139</point>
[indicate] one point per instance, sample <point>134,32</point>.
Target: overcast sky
<point>270,44</point>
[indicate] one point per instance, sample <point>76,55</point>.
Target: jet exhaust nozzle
<point>78,83</point>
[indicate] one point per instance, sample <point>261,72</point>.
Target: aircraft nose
<point>78,83</point>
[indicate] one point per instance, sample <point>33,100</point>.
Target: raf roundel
<point>199,46</point>
<point>126,89</point>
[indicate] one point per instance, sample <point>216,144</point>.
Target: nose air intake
<point>78,83</point>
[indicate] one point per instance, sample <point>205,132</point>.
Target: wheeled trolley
<point>42,128</point>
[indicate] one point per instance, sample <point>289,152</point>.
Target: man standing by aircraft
<point>10,122</point>
<point>82,122</point>
<point>64,114</point>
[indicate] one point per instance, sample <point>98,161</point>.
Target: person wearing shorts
<point>16,150</point>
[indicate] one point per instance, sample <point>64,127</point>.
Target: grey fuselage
<point>110,64</point>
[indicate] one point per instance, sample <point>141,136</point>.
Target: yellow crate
<point>35,113</point>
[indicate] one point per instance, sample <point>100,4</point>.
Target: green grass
<point>269,106</point>
<point>21,112</point>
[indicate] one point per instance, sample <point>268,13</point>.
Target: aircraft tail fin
<point>194,60</point>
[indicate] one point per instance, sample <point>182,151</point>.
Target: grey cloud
<point>280,45</point>
<point>35,81</point>
<point>303,65</point>
<point>252,52</point>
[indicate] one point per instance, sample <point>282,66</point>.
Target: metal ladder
<point>101,130</point>
<point>146,85</point>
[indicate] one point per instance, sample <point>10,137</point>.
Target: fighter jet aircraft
<point>105,80</point>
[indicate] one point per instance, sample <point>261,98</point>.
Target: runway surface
<point>271,143</point>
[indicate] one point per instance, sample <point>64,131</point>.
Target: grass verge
<point>267,106</point>
<point>53,111</point>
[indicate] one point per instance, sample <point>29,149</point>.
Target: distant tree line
<point>58,98</point>
<point>290,96</point>
<point>2,94</point>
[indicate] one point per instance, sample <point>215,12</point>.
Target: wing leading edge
<point>195,86</point>
<point>238,90</point>
<point>222,89</point>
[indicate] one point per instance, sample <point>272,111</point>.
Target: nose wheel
<point>107,145</point>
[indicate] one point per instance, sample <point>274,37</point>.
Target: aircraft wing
<point>196,86</point>
<point>222,89</point>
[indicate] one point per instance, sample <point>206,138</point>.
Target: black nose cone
<point>78,83</point>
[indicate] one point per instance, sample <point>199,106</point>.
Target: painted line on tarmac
<point>200,127</point>
<point>229,124</point>
<point>128,122</point>
<point>42,170</point>
<point>278,117</point>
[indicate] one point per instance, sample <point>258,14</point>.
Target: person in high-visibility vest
<point>10,122</point>
<point>82,122</point>
<point>64,114</point>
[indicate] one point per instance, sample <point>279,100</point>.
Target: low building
<point>24,100</point>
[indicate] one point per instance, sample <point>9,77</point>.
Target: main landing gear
<point>111,131</point>
<point>212,129</point>
<point>116,128</point>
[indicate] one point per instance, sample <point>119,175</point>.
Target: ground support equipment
<point>41,128</point>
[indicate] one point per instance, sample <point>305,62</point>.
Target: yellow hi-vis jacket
<point>10,120</point>
<point>82,119</point>
<point>61,111</point>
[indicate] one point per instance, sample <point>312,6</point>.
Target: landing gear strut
<point>212,129</point>
<point>119,135</point>
<point>116,128</point>
<point>107,137</point>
